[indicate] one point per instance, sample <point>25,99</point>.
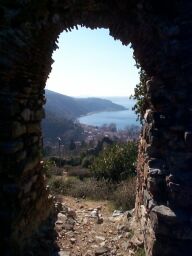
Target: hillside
<point>54,126</point>
<point>61,111</point>
<point>72,108</point>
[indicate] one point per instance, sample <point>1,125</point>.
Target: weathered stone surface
<point>27,187</point>
<point>64,253</point>
<point>26,114</point>
<point>180,196</point>
<point>31,164</point>
<point>11,147</point>
<point>165,212</point>
<point>18,129</point>
<point>101,251</point>
<point>156,172</point>
<point>156,163</point>
<point>188,140</point>
<point>34,128</point>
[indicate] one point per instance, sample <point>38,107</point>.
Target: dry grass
<point>140,252</point>
<point>124,195</point>
<point>81,173</point>
<point>88,188</point>
<point>121,195</point>
<point>92,189</point>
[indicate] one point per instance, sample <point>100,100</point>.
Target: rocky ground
<point>89,228</point>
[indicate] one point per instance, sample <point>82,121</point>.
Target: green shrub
<point>116,162</point>
<point>56,185</point>
<point>87,161</point>
<point>140,93</point>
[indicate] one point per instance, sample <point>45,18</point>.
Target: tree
<point>116,162</point>
<point>140,93</point>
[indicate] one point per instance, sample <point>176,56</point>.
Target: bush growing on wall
<point>139,95</point>
<point>116,162</point>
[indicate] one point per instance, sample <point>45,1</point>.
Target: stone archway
<point>160,34</point>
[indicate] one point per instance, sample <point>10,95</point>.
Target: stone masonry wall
<point>24,201</point>
<point>160,33</point>
<point>164,178</point>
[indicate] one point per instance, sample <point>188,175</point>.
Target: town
<point>89,138</point>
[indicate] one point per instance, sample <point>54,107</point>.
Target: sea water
<point>122,119</point>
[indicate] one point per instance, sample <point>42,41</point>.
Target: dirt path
<point>87,228</point>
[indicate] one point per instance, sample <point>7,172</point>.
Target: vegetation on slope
<point>112,177</point>
<point>54,126</point>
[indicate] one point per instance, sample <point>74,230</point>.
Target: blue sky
<point>91,63</point>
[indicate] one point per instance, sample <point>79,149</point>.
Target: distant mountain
<point>72,108</point>
<point>61,111</point>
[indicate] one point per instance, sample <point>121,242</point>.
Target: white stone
<point>61,217</point>
<point>64,253</point>
<point>117,213</point>
<point>102,238</point>
<point>72,213</point>
<point>94,213</point>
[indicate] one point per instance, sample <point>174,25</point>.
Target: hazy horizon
<point>93,96</point>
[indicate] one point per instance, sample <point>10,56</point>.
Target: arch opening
<point>93,67</point>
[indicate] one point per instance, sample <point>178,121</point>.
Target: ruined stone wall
<point>24,200</point>
<point>164,165</point>
<point>160,33</point>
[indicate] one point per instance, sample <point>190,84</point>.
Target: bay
<point>122,119</point>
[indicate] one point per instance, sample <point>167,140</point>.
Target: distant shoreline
<point>96,112</point>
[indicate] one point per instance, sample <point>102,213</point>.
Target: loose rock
<point>101,251</point>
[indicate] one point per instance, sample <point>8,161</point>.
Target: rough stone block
<point>188,140</point>
<point>11,147</point>
<point>156,163</point>
<point>157,188</point>
<point>31,164</point>
<point>27,187</point>
<point>21,155</point>
<point>26,114</point>
<point>18,129</point>
<point>156,172</point>
<point>180,196</point>
<point>165,213</point>
<point>149,203</point>
<point>39,115</point>
<point>148,116</point>
<point>34,128</point>
<point>161,119</point>
<point>11,189</point>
